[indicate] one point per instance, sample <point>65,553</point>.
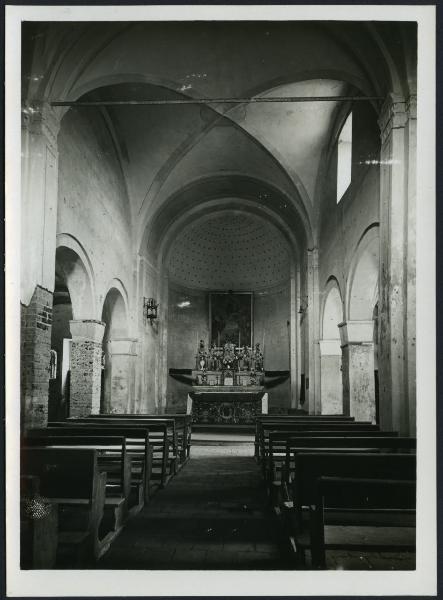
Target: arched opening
<point>363,290</point>
<point>330,352</point>
<point>231,257</point>
<point>359,356</point>
<point>72,297</point>
<point>115,379</point>
<point>58,405</point>
<point>332,313</point>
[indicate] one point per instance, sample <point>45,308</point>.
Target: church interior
<point>218,295</point>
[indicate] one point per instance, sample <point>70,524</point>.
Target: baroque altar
<point>228,383</point>
<point>228,366</point>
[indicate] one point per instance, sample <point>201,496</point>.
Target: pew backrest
<point>309,467</point>
<point>63,472</point>
<point>293,445</point>
<point>287,428</point>
<point>137,441</point>
<point>71,478</point>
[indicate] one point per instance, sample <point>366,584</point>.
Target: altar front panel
<point>217,379</point>
<point>233,407</point>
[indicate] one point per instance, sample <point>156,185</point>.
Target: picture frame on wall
<point>231,318</point>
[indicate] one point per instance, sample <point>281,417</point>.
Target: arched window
<point>344,158</point>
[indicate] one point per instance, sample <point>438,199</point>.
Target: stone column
<point>358,369</point>
<point>38,241</point>
<point>331,383</point>
<point>397,263</point>
<point>148,349</point>
<point>162,368</point>
<point>36,319</point>
<point>39,188</point>
<point>123,363</point>
<point>294,339</point>
<point>312,393</point>
<point>86,355</point>
<point>411,132</point>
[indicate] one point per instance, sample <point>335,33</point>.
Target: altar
<point>228,385</point>
<point>232,406</point>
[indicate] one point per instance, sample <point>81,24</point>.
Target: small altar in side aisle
<point>228,385</point>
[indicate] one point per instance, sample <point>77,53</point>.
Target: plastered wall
<point>188,324</point>
<point>92,201</point>
<point>344,223</point>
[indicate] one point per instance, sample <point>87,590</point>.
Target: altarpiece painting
<point>230,317</point>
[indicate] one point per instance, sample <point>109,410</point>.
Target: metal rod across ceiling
<point>274,99</point>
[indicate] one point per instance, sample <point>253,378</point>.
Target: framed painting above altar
<point>230,318</point>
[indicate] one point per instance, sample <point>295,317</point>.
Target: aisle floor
<point>213,515</point>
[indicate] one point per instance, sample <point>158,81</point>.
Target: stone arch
<point>114,313</point>
<point>73,300</point>
<point>362,282</point>
<point>332,310</point>
<point>204,193</point>
<point>75,269</point>
<point>221,206</point>
<point>331,383</point>
<point>359,379</point>
<point>115,288</point>
<point>116,347</point>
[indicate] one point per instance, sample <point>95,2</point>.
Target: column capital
<point>330,347</point>
<point>123,346</point>
<point>39,118</point>
<point>356,332</point>
<point>87,330</point>
<point>393,115</point>
<point>411,106</point>
<point>313,256</point>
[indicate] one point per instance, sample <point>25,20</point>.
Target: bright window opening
<point>344,158</point>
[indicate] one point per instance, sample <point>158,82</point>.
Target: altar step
<point>222,428</point>
<point>214,438</point>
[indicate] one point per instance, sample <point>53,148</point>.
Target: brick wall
<point>36,320</point>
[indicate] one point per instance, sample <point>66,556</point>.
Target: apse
<point>230,251</point>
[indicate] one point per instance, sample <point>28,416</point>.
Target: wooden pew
<point>162,439</point>
<point>38,526</point>
<point>112,459</point>
<point>309,467</point>
<point>71,479</point>
<point>282,451</point>
<point>308,419</point>
<point>183,424</point>
<point>370,496</point>
<point>138,448</point>
<point>294,427</point>
<point>263,425</point>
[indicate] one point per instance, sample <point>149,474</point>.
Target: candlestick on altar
<point>239,338</point>
<point>218,344</point>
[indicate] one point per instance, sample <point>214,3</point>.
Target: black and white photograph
<point>220,309</point>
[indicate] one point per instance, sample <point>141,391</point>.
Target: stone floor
<point>213,515</point>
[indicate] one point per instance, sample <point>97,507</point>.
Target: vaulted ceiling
<point>175,158</point>
<point>229,250</point>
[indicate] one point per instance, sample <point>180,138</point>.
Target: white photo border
<point>423,580</point>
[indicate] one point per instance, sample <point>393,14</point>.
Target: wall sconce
<point>150,308</point>
<point>303,306</point>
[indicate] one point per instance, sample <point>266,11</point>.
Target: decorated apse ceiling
<point>233,250</point>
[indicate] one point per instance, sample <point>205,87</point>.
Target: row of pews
<point>83,478</point>
<point>336,483</point>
